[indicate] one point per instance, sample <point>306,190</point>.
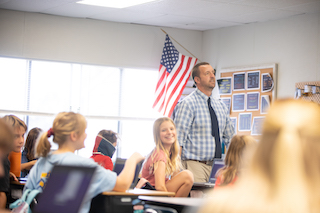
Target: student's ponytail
<point>43,145</point>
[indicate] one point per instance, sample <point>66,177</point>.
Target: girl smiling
<point>162,168</point>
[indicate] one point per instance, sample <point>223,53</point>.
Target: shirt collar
<point>202,95</point>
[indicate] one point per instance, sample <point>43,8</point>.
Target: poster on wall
<point>266,82</point>
<point>253,80</point>
<point>234,123</point>
<point>224,85</point>
<point>253,101</point>
<point>227,102</point>
<point>265,104</point>
<point>239,81</point>
<point>238,102</point>
<point>245,121</point>
<point>257,125</point>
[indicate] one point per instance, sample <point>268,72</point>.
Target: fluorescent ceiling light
<point>114,3</point>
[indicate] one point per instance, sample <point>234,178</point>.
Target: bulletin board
<point>248,92</point>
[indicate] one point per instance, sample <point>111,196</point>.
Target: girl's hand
<point>13,177</point>
<point>137,157</point>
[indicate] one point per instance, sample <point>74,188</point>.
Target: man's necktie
<point>215,130</point>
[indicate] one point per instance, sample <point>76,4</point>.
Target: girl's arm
<point>28,165</point>
<point>160,176</point>
<point>126,176</point>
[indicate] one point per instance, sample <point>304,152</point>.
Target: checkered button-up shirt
<point>193,123</point>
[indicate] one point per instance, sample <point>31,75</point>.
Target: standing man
<point>202,124</point>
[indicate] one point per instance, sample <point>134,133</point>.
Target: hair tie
<point>50,132</point>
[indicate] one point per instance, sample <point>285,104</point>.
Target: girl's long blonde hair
<point>173,158</point>
<point>63,125</point>
<point>234,158</point>
<point>284,174</point>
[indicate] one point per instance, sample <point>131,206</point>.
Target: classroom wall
<point>88,41</point>
<point>292,43</point>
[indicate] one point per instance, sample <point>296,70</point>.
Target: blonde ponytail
<point>63,125</point>
<point>43,146</point>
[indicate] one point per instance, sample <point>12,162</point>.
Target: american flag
<point>174,72</point>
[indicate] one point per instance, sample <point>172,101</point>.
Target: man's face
<point>18,142</point>
<point>207,78</point>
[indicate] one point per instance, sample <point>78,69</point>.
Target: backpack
<point>23,204</point>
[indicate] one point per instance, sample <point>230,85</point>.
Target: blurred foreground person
<point>284,173</point>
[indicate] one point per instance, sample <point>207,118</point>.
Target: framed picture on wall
<point>253,99</point>
<point>245,121</point>
<point>266,82</point>
<point>238,102</point>
<point>253,80</point>
<point>225,85</point>
<point>234,123</point>
<point>239,81</point>
<point>265,104</point>
<point>227,101</point>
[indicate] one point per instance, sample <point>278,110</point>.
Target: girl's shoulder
<point>158,155</point>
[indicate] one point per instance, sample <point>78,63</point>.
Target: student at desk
<point>6,142</point>
<point>68,131</point>
<point>27,158</point>
<point>164,161</point>
<point>234,160</point>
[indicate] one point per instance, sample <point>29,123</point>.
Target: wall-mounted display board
<point>253,88</point>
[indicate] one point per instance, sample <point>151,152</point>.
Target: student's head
<point>283,174</point>
<point>236,158</point>
<point>66,126</point>
<point>6,138</point>
<point>238,144</point>
<point>165,137</point>
<point>6,142</point>
<point>31,141</point>
<point>164,133</point>
<point>204,75</point>
<point>111,136</point>
<point>290,143</point>
<point>19,129</point>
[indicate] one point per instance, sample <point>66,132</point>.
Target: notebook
<point>119,166</point>
<point>65,189</point>
<point>217,164</point>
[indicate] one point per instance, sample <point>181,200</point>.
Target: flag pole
<point>180,44</point>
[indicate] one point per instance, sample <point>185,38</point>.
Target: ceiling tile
<point>263,16</point>
<point>311,7</point>
<point>274,3</point>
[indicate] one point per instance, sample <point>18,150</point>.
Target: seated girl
<point>27,158</point>
<point>68,132</point>
<point>162,168</point>
<point>234,160</point>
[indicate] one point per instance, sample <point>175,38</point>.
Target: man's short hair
<point>196,71</point>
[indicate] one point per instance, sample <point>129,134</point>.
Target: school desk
<point>181,204</point>
<point>119,202</point>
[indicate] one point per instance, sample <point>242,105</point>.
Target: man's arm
<point>183,122</point>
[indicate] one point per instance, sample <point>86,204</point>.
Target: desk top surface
<point>182,201</point>
<point>144,192</point>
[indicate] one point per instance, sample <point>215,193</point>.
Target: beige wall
<point>47,37</point>
<point>292,43</point>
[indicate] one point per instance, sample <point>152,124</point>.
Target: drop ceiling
<point>183,14</point>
